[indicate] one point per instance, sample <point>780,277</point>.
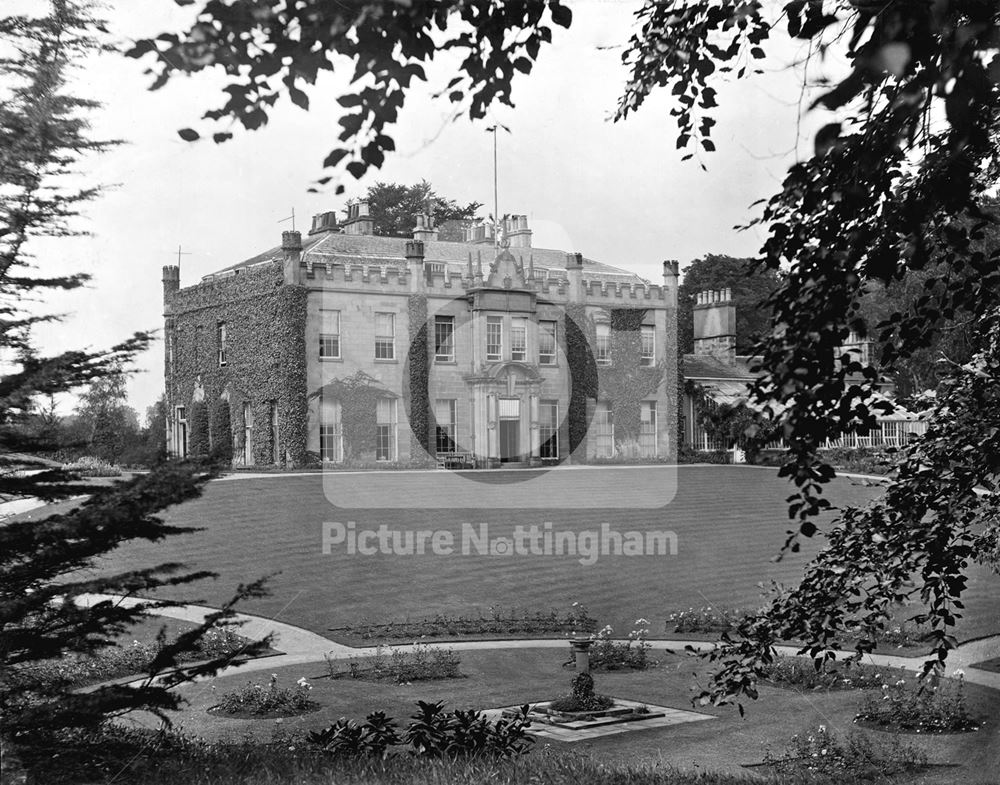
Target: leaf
<point>334,157</point>
<point>807,528</point>
<point>188,134</point>
<point>357,168</point>
<point>826,138</point>
<point>299,98</point>
<point>561,15</point>
<point>221,137</point>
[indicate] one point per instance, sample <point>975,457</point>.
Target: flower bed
<point>607,654</point>
<point>422,663</point>
<point>931,705</point>
<point>499,622</point>
<point>256,701</point>
<point>853,757</point>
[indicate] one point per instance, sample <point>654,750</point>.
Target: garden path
<point>300,646</point>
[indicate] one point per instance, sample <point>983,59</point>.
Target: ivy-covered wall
<point>265,357</point>
<point>416,393</point>
<point>626,383</point>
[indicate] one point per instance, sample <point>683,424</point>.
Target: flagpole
<point>496,208</point>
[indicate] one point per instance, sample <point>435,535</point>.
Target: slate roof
<point>704,366</point>
<point>333,247</point>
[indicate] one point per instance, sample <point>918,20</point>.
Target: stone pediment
<point>506,272</point>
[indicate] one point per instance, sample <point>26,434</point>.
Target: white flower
<point>303,684</point>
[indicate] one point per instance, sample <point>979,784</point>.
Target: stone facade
<point>345,347</point>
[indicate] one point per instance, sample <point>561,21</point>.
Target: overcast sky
<point>617,192</point>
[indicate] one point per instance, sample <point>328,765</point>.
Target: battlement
<point>394,278</point>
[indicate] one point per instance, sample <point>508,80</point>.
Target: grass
<point>729,522</point>
<point>150,759</point>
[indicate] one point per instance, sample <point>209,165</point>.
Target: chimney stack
<point>574,272</point>
<point>671,274</point>
<point>425,230</point>
<point>359,220</point>
<point>291,252</point>
<point>324,222</point>
<point>715,325</point>
<point>415,264</point>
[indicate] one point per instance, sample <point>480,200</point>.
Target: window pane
<point>548,428</point>
<point>494,338</point>
<point>331,438</point>
<point>546,343</point>
<point>604,430</point>
<point>330,322</point>
<point>444,414</point>
<point>518,338</point>
<point>647,430</point>
<point>444,338</point>
<point>603,343</point>
<point>648,345</point>
<point>385,331</point>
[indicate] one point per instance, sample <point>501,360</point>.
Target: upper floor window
<point>546,343</point>
<point>385,336</point>
<point>444,338</point>
<point>648,355</point>
<point>329,335</point>
<point>494,338</point>
<point>518,338</point>
<point>221,330</point>
<point>603,354</point>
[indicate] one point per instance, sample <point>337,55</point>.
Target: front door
<point>510,427</point>
<point>508,440</point>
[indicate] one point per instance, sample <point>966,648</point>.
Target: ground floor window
<point>385,430</point>
<point>331,435</point>
<point>180,432</point>
<point>548,429</point>
<point>445,415</point>
<point>604,430</point>
<point>247,434</point>
<point>647,429</point>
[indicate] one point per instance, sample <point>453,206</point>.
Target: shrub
<point>705,619</point>
<point>432,733</point>
<point>222,432</point>
<point>582,698</point>
<point>930,705</point>
<point>802,673</point>
<point>823,753</point>
<point>198,444</point>
<point>90,466</point>
<point>607,654</point>
<point>421,663</point>
<point>116,662</point>
<point>272,700</point>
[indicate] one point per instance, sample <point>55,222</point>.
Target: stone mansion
<point>345,347</point>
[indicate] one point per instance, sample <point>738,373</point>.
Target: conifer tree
<point>52,601</point>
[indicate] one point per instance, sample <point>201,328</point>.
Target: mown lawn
<point>725,744</point>
<point>729,523</point>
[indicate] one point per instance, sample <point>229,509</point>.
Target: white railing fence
<point>888,433</point>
